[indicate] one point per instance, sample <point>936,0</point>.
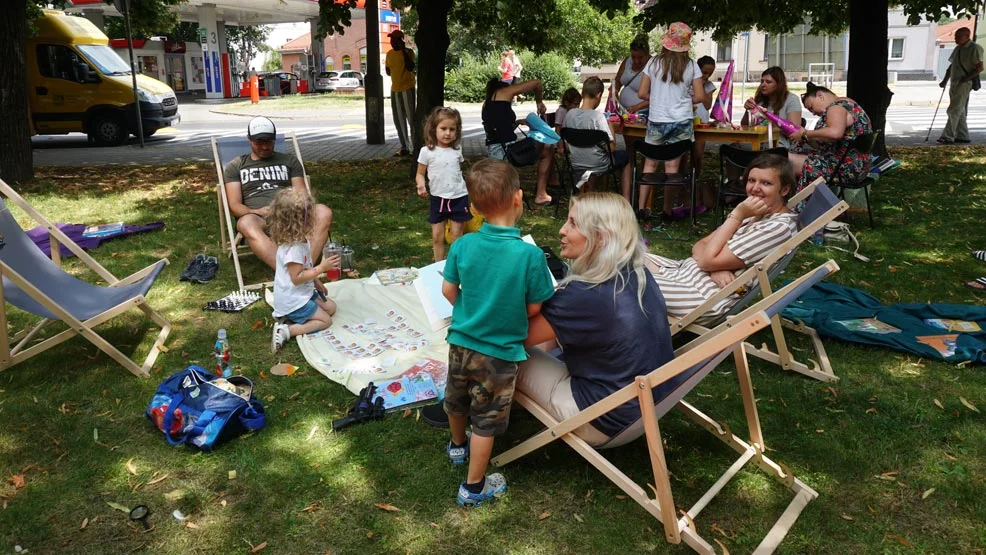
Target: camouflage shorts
<point>480,387</point>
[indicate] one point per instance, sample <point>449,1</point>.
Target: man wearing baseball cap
<point>400,67</point>
<point>252,180</point>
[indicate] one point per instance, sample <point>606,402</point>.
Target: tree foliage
<point>575,29</point>
<point>247,41</point>
<point>272,61</point>
<point>727,18</point>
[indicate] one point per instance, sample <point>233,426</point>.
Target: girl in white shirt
<point>673,82</point>
<point>299,297</point>
<point>441,159</point>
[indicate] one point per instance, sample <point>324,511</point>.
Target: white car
<point>338,80</point>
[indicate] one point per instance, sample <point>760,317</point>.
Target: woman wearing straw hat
<point>672,82</point>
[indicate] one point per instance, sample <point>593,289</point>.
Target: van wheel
<point>108,130</point>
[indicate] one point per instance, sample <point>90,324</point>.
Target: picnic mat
<point>949,332</point>
<point>379,332</point>
<point>42,238</point>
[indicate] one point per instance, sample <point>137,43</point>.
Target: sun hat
<point>540,131</point>
<point>677,37</point>
<point>261,128</point>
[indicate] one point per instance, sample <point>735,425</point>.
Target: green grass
<point>292,102</point>
<point>316,495</point>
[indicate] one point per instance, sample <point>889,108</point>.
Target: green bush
<point>467,83</point>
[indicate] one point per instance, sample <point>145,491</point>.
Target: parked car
<point>322,80</point>
<point>286,77</point>
<point>339,80</point>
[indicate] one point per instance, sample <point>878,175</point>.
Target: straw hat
<point>677,37</point>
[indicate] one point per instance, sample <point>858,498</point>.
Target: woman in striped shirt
<point>756,227</point>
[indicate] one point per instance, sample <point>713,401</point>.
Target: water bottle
<point>818,238</point>
<point>221,351</point>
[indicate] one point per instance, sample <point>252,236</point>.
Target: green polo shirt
<point>499,275</point>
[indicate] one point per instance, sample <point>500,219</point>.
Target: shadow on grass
<point>305,491</point>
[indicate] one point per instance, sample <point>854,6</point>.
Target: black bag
<point>976,83</point>
<point>556,265</point>
<point>522,153</point>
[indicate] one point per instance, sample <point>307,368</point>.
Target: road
<point>342,136</point>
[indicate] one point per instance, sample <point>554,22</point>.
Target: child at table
<point>495,282</point>
<point>596,160</point>
<point>299,297</point>
<point>441,159</point>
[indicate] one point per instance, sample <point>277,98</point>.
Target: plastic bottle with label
<point>222,352</point>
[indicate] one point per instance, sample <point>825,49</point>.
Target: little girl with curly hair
<point>300,299</point>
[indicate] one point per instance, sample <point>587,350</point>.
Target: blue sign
<point>208,71</point>
<point>389,16</point>
<point>217,77</point>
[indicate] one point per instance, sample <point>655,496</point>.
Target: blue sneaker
<point>496,485</point>
<point>458,455</point>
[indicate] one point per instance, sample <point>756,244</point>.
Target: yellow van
<point>77,83</point>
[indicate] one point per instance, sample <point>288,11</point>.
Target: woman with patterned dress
<point>833,155</point>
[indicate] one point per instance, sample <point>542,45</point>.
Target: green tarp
<point>949,332</point>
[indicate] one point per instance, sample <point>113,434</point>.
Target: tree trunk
<point>16,164</point>
<point>867,80</point>
<point>433,41</point>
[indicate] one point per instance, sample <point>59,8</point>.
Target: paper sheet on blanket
<point>362,315</point>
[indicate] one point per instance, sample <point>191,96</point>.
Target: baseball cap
<point>396,34</point>
<point>261,128</point>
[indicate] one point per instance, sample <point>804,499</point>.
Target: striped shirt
<point>685,286</point>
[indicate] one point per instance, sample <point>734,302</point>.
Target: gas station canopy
<point>232,12</point>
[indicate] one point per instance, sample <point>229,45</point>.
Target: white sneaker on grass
<point>279,337</point>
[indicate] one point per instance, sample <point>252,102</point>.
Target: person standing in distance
<point>400,65</point>
<point>966,64</point>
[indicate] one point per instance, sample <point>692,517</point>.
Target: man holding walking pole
<point>963,74</point>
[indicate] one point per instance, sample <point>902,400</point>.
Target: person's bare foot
<point>543,201</point>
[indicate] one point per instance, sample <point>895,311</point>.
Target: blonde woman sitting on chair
<point>608,316</point>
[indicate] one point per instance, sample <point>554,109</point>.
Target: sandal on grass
<point>979,284</point>
<point>979,255</point>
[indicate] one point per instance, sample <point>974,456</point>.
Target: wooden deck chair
<point>820,208</point>
<point>663,389</point>
<point>36,284</point>
<point>225,149</point>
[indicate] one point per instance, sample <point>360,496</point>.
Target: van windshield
<point>105,59</point>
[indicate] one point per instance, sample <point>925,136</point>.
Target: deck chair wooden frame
<point>230,241</point>
<point>762,273</point>
<point>15,348</point>
<point>706,352</point>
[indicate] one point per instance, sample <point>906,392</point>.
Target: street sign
<point>390,16</point>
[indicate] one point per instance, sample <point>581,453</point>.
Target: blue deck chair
<point>36,284</point>
<point>821,206</point>
<point>224,150</point>
<point>665,388</point>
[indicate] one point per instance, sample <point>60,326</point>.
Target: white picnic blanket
<point>386,321</point>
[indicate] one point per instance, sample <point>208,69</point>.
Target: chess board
<point>236,301</point>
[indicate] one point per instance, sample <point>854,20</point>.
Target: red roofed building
<point>946,32</point>
<point>294,53</point>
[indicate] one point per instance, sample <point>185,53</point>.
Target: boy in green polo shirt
<point>495,282</point>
